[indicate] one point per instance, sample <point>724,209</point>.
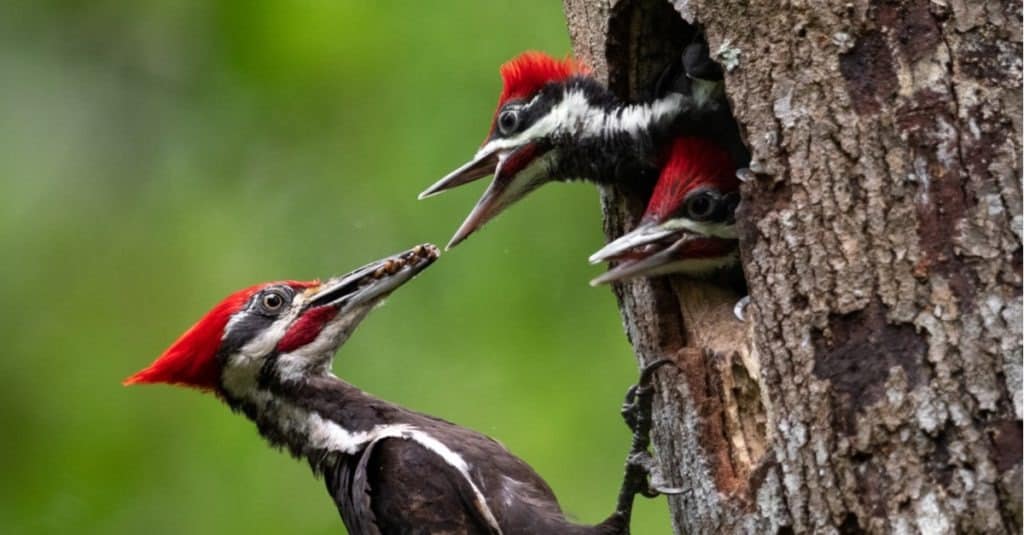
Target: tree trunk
<point>876,383</point>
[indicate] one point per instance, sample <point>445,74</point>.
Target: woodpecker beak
<point>689,254</point>
<point>678,245</point>
<point>645,234</point>
<point>653,232</point>
<point>372,281</point>
<point>484,163</point>
<point>519,172</point>
<point>330,312</point>
<point>638,267</point>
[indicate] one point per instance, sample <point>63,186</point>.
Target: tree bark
<point>876,383</point>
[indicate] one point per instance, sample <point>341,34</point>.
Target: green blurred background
<point>155,156</point>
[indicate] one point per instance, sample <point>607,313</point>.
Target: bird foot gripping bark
<point>642,474</point>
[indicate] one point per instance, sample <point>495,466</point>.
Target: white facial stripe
<point>260,346</point>
<point>575,116</point>
<point>263,343</point>
<point>241,370</point>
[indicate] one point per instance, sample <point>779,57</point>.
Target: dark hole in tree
<point>675,315</point>
<point>665,36</point>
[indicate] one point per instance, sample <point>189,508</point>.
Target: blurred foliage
<point>158,155</point>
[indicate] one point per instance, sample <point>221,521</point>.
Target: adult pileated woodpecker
<point>555,122</point>
<point>267,352</point>
<point>689,224</point>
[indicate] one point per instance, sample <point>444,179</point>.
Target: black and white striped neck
<point>605,141</point>
<point>317,416</point>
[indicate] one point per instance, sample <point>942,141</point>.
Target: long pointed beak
<point>645,234</point>
<point>374,280</point>
<point>690,254</point>
<point>483,164</point>
<point>648,265</point>
<point>518,172</point>
<point>483,211</point>
<point>649,233</point>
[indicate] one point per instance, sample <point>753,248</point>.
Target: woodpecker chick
<point>267,352</point>
<point>556,122</point>
<point>689,224</point>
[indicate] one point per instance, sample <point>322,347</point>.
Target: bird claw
<point>647,373</point>
<point>642,475</point>
<point>638,395</point>
<point>630,408</point>
<point>740,308</point>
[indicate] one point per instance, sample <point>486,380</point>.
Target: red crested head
<point>525,74</point>
<point>693,163</point>
<point>528,72</point>
<point>192,359</point>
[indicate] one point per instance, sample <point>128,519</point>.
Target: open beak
<point>643,266</point>
<point>484,163</point>
<point>517,171</point>
<point>373,281</point>
<point>645,234</point>
<point>653,232</point>
<point>670,247</point>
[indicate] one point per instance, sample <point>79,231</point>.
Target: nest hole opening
<point>648,38</point>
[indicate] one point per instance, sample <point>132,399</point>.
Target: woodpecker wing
<point>351,493</point>
<point>400,486</point>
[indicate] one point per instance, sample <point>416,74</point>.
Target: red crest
<point>191,359</point>
<point>527,73</point>
<point>692,163</point>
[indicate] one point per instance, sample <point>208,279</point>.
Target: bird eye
<point>508,122</point>
<point>702,205</point>
<point>272,302</point>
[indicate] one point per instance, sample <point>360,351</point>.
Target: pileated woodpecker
<point>689,224</point>
<point>556,122</point>
<point>267,352</point>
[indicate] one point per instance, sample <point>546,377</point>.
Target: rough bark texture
<point>876,384</point>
